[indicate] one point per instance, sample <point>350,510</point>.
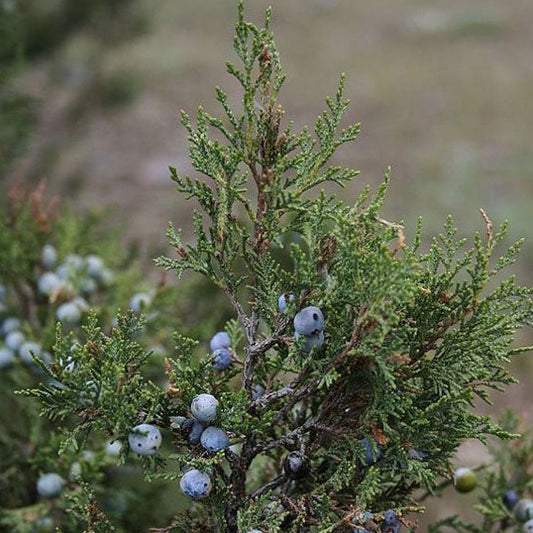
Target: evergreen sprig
<point>411,337</point>
<point>508,469</point>
<point>99,381</point>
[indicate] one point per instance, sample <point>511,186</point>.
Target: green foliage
<point>90,382</point>
<point>411,337</point>
<point>70,374</point>
<point>509,468</point>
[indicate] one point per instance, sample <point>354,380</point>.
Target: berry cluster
<point>197,484</point>
<point>145,439</point>
<point>367,522</point>
<point>521,508</point>
<point>15,340</point>
<point>65,288</point>
<point>60,289</point>
<point>72,281</point>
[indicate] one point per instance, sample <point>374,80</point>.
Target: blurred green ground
<point>442,89</point>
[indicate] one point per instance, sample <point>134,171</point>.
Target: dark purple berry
<point>391,522</point>
<point>371,455</point>
<point>510,499</point>
<point>297,465</point>
<point>192,429</point>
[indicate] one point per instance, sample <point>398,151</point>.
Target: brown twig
<point>488,224</point>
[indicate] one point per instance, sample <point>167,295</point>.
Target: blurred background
<point>91,91</point>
